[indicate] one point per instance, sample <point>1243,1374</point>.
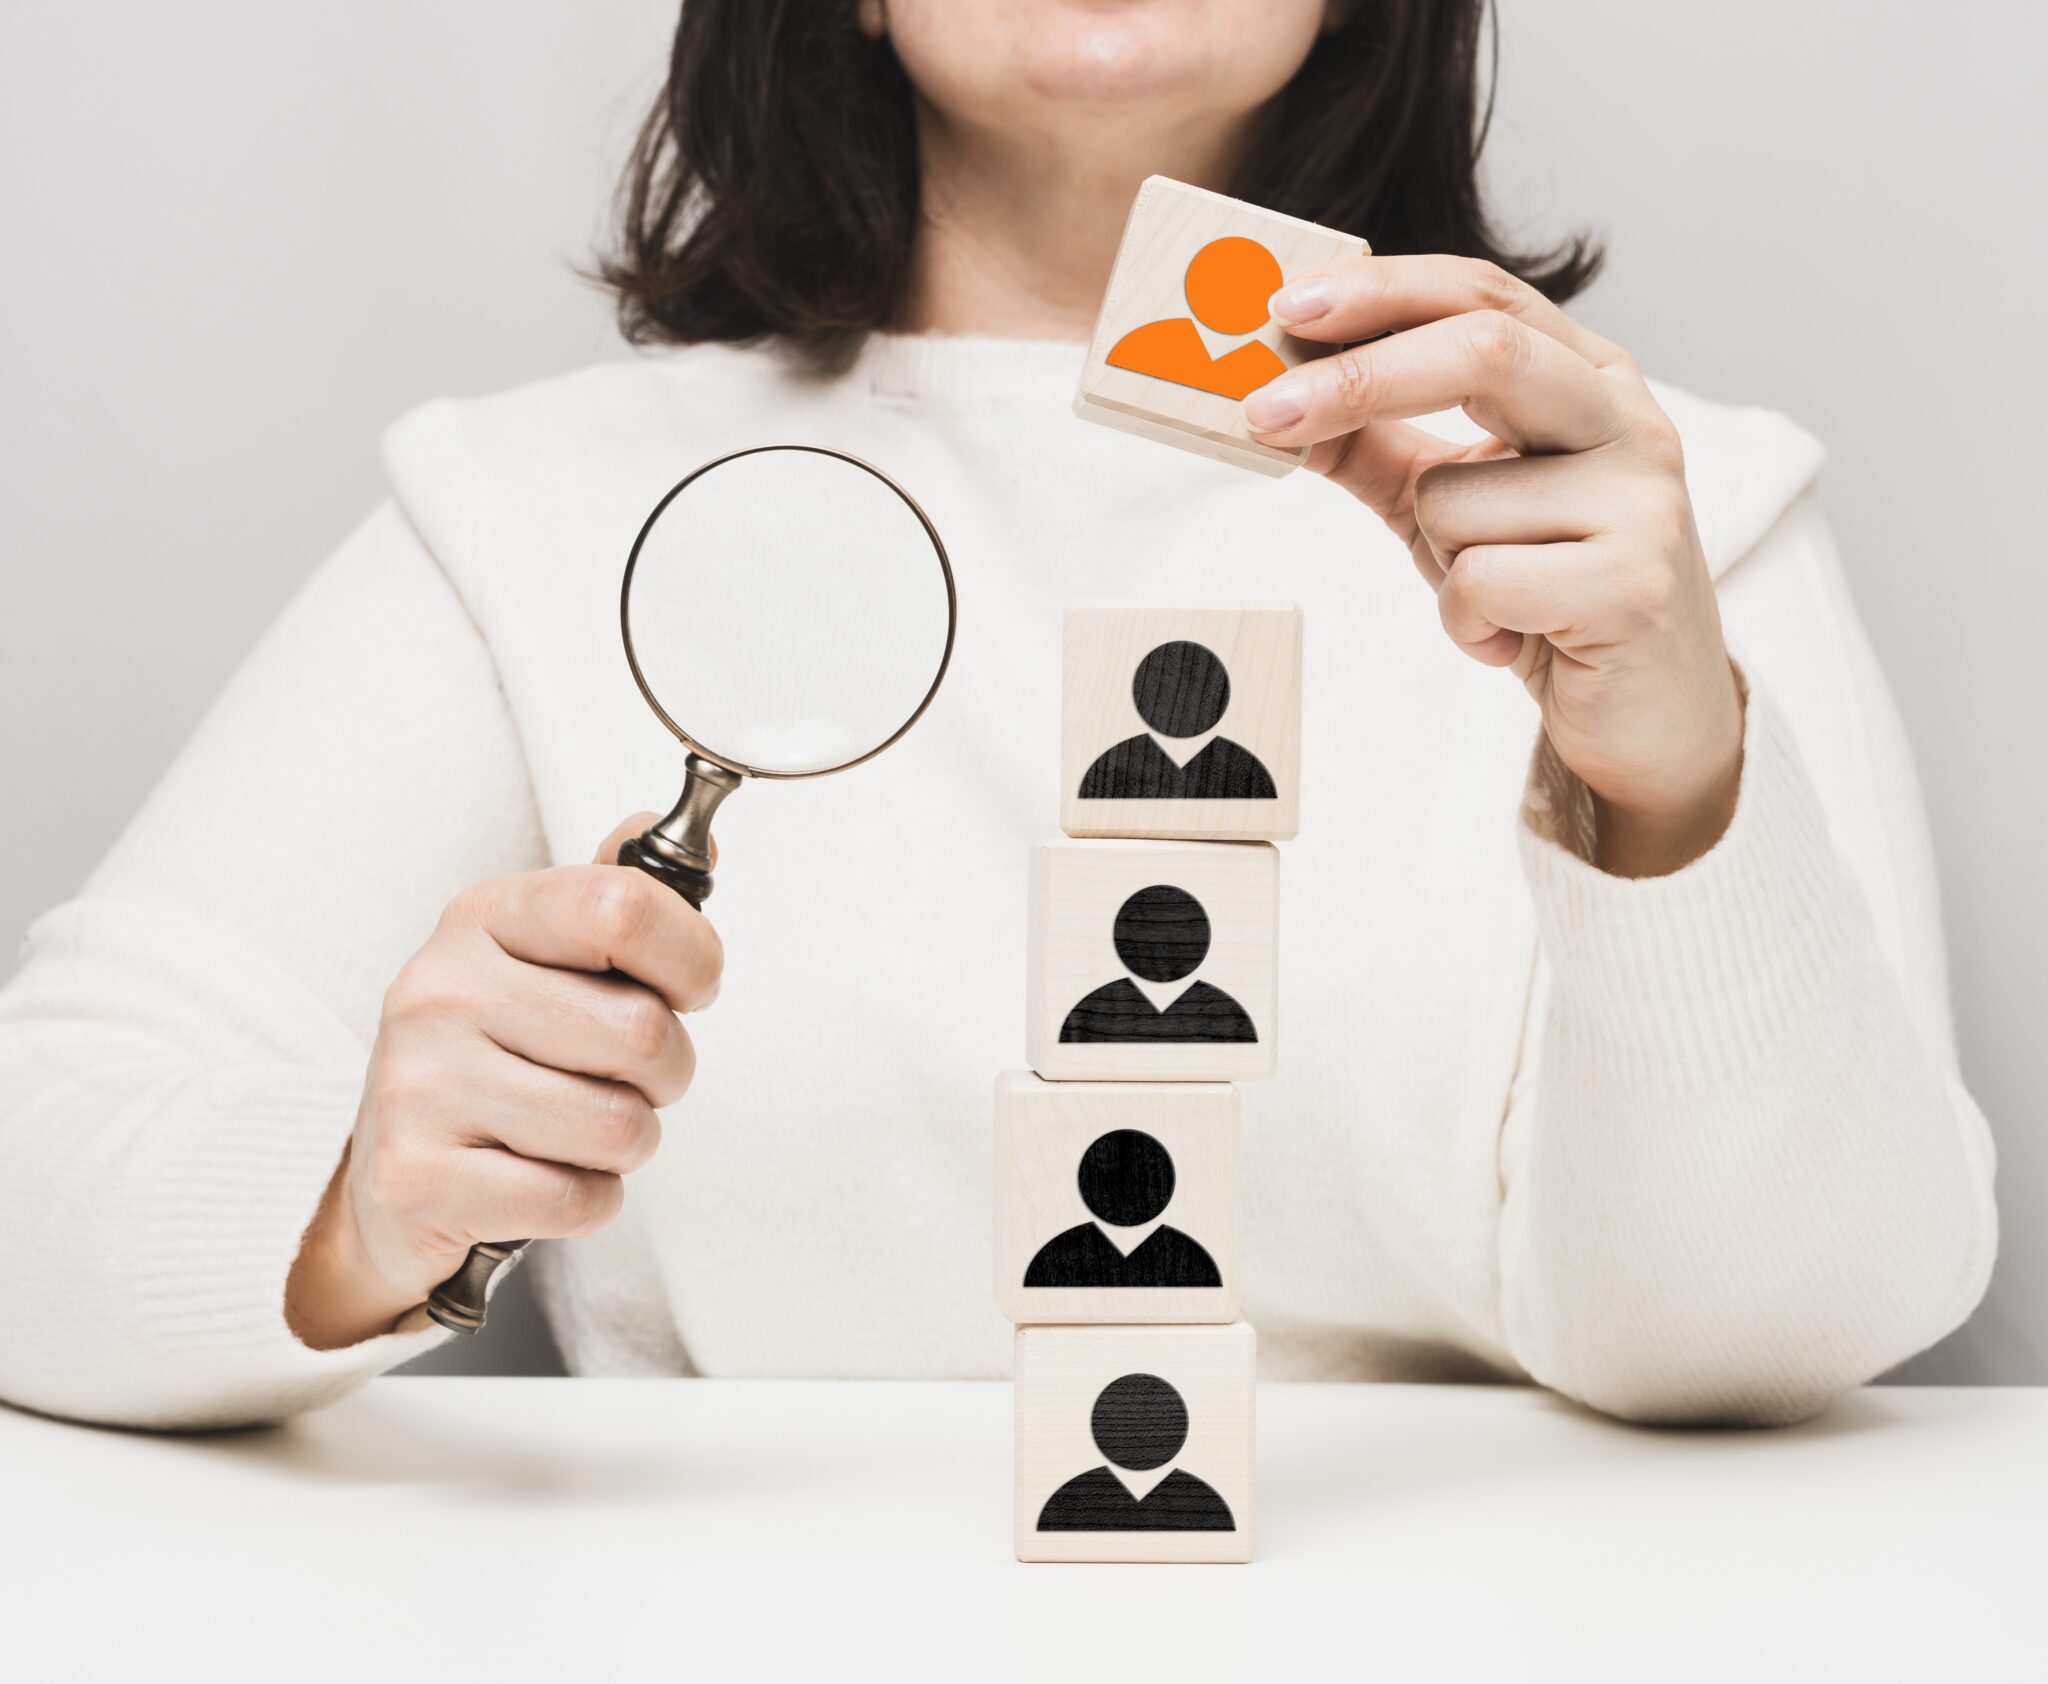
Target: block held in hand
<point>1184,335</point>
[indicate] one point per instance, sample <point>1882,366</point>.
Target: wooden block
<point>1152,961</point>
<point>1181,720</point>
<point>1135,1443</point>
<point>1116,1201</point>
<point>1192,257</point>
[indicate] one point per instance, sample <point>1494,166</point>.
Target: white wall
<point>243,236</point>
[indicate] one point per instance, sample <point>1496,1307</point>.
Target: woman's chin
<point>1146,55</point>
<point>1115,60</point>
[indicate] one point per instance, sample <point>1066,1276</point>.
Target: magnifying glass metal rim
<point>676,850</point>
<point>626,615</point>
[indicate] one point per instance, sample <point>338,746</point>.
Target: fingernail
<point>1300,301</point>
<point>1273,408</point>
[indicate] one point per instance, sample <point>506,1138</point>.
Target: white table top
<point>465,1529</point>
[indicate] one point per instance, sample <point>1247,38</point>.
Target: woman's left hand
<point>1563,546</point>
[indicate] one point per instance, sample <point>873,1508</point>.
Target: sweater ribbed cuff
<point>1712,969</point>
<point>242,1158</point>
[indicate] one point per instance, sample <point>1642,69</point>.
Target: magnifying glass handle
<point>687,880</point>
<point>675,851</point>
<point>458,1302</point>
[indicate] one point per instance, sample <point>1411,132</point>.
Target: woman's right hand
<point>520,1059</point>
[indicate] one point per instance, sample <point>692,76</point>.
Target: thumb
<point>622,833</point>
<point>625,830</point>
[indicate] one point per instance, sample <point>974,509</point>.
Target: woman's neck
<point>1017,240</point>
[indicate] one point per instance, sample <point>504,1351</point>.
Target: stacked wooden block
<point>1184,335</point>
<point>1152,992</point>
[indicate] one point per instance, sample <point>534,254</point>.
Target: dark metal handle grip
<point>458,1302</point>
<point>693,885</point>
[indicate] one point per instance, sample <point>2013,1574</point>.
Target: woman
<point>1646,1092</point>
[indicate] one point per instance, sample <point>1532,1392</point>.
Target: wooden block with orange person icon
<point>1184,335</point>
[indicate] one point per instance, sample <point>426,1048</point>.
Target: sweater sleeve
<point>1740,1171</point>
<point>183,1049</point>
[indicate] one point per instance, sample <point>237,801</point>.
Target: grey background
<point>242,237</point>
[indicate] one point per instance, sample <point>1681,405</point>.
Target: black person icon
<point>1181,689</point>
<point>1162,935</point>
<point>1139,1423</point>
<point>1126,1179</point>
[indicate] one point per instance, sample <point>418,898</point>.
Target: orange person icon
<point>1228,283</point>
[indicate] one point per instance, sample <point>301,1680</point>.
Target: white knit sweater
<point>1684,1148</point>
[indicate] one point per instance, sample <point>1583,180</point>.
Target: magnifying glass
<point>787,610</point>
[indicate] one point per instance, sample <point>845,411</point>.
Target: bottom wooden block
<point>1135,1443</point>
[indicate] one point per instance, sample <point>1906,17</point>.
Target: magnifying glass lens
<point>788,612</point>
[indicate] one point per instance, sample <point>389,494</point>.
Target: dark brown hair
<point>774,186</point>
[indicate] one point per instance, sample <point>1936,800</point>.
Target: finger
<point>1516,500</point>
<point>1520,385</point>
<point>1383,463</point>
<point>1569,593</point>
<point>622,833</point>
<point>554,1116</point>
<point>1364,296</point>
<point>1379,464</point>
<point>599,918</point>
<point>599,1026</point>
<point>1489,644</point>
<point>499,1195</point>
